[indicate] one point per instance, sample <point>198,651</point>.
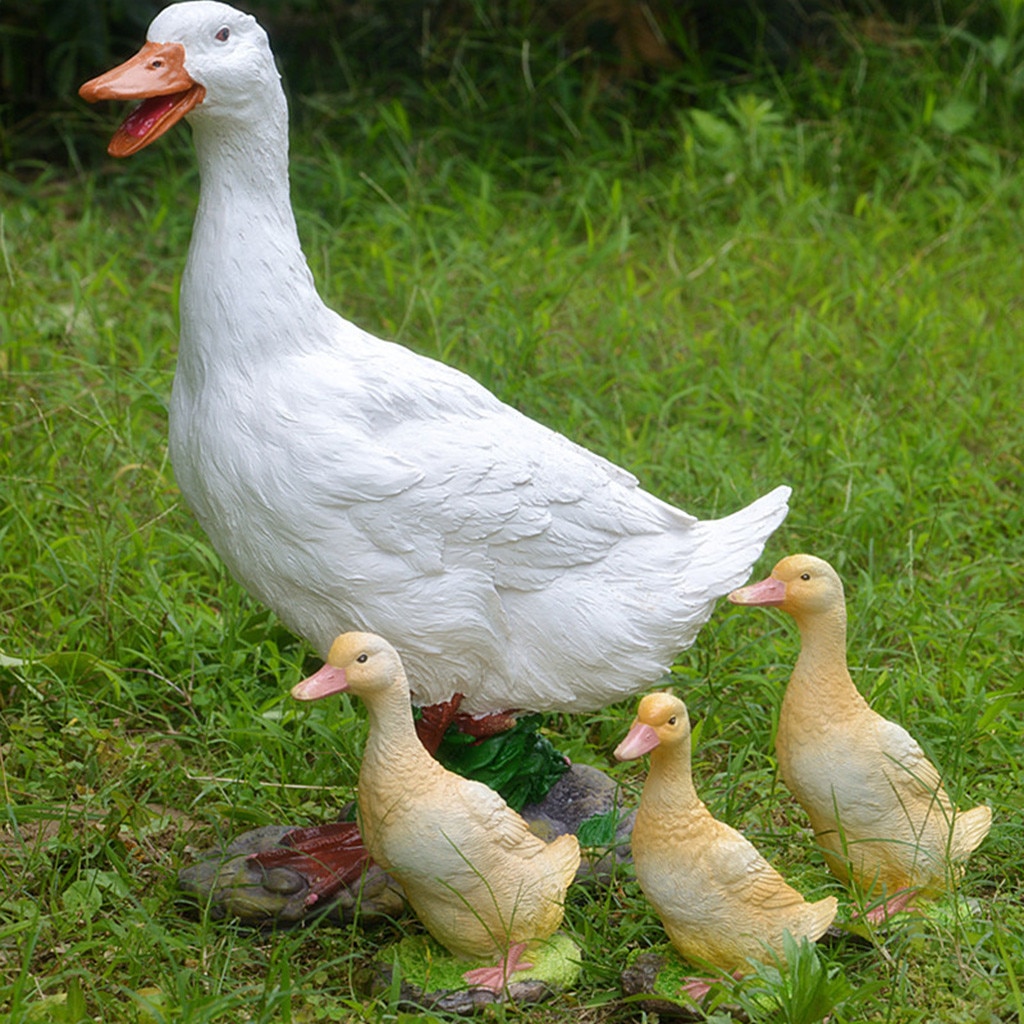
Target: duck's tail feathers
<point>969,829</point>
<point>564,856</point>
<point>819,916</point>
<point>730,546</point>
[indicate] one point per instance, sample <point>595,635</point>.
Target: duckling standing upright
<point>876,803</point>
<point>480,881</point>
<point>719,900</point>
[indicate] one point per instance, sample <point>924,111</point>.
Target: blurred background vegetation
<point>49,47</point>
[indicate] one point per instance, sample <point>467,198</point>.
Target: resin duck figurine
<point>720,901</point>
<point>349,483</point>
<point>476,876</point>
<point>876,803</point>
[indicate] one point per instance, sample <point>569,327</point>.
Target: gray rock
<point>235,885</point>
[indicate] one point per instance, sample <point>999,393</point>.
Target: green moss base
<point>429,967</point>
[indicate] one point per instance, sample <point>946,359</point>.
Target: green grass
<point>812,278</point>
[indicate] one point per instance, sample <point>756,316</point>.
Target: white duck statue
<point>349,483</point>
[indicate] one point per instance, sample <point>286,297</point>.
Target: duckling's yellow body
<point>476,876</point>
<point>719,900</point>
<point>876,803</point>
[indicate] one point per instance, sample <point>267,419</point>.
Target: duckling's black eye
<point>805,575</point>
<point>363,659</point>
<point>672,720</point>
<point>222,35</point>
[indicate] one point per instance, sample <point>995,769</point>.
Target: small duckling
<point>876,803</point>
<point>476,876</point>
<point>719,900</point>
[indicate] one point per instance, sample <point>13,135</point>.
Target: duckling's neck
<point>820,678</point>
<point>669,787</point>
<point>393,744</point>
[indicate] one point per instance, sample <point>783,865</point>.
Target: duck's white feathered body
<point>349,483</point>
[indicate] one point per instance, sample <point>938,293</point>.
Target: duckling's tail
<point>564,857</point>
<point>819,915</point>
<point>969,829</point>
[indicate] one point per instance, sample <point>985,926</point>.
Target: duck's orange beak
<point>157,76</point>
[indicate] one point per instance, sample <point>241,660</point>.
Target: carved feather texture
<point>474,873</point>
<point>876,803</point>
<point>719,900</point>
<point>349,483</point>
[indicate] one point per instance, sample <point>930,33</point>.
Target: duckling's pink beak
<point>641,739</point>
<point>321,684</point>
<point>768,592</point>
<point>157,76</point>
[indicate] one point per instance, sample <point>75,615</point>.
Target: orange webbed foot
<point>327,856</point>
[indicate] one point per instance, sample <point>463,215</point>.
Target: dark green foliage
<point>521,764</point>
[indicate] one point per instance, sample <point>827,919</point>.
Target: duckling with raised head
<point>476,876</point>
<point>877,805</point>
<point>720,901</point>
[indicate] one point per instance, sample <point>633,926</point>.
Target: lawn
<point>722,283</point>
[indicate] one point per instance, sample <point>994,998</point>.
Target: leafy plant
<point>802,990</point>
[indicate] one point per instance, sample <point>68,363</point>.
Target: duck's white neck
<point>245,161</point>
<point>247,291</point>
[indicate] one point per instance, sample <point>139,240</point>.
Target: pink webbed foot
<point>892,906</point>
<point>697,988</point>
<point>497,977</point>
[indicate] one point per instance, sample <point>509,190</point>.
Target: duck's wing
<point>488,815</point>
<point>441,480</point>
<point>424,492</point>
<point>910,773</point>
<point>745,875</point>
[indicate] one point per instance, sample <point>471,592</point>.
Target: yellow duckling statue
<point>876,803</point>
<point>476,876</point>
<point>719,900</point>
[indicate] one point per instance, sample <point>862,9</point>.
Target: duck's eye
<point>672,720</point>
<point>363,659</point>
<point>222,35</point>
<point>805,575</point>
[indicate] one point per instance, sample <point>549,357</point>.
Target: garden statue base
<point>233,883</point>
